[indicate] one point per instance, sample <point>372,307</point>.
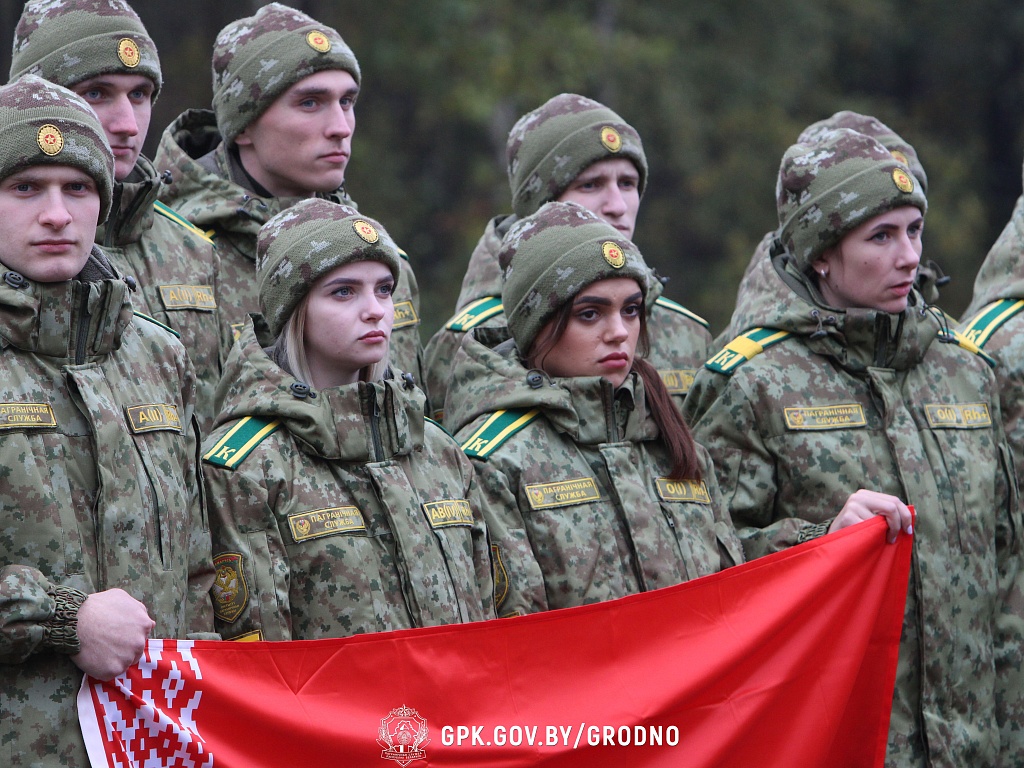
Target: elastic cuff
<point>809,532</point>
<point>61,630</point>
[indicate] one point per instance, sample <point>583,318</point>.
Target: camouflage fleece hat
<point>68,41</point>
<point>306,241</point>
<point>876,129</point>
<point>258,58</point>
<point>833,185</point>
<point>44,124</point>
<point>550,146</point>
<point>549,257</point>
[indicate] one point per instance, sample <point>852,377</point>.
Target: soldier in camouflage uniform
<point>844,379</point>
<point>104,535</point>
<point>929,275</point>
<point>993,319</point>
<point>337,508</point>
<point>276,134</point>
<point>566,150</point>
<point>584,496</point>
<point>100,50</point>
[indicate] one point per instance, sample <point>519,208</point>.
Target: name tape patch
<point>563,494</point>
<point>678,382</point>
<point>958,415</point>
<point>188,297</point>
<point>21,415</point>
<point>447,512</point>
<point>325,522</point>
<point>826,417</point>
<point>153,417</point>
<point>683,490</point>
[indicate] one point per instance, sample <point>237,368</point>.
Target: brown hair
<point>674,432</point>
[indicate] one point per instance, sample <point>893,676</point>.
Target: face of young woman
<point>874,265</point>
<point>348,322</point>
<point>601,336</point>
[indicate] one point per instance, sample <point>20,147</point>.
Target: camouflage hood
<point>780,296</point>
<point>73,320</point>
<point>131,213</point>
<point>487,380</point>
<point>338,423</point>
<point>1002,273</point>
<point>483,276</point>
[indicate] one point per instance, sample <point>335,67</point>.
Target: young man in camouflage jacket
<point>100,50</point>
<point>571,148</point>
<point>276,135</point>
<point>105,540</point>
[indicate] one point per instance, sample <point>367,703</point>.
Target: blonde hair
<point>289,349</point>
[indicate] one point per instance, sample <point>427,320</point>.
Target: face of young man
<point>124,105</point>
<point>611,189</point>
<point>48,217</point>
<point>302,143</point>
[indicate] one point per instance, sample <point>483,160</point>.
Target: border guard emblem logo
<point>50,140</point>
<point>128,52</point>
<point>403,734</point>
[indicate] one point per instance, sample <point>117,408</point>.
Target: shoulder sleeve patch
<point>661,301</point>
<point>990,319</point>
<point>497,428</point>
<point>475,313</point>
<point>154,321</point>
<point>240,441</point>
<point>177,218</point>
<point>743,348</point>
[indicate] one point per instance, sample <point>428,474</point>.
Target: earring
<point>823,272</point>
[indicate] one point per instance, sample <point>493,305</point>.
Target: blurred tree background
<point>717,90</point>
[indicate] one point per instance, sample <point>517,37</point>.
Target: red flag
<point>789,660</point>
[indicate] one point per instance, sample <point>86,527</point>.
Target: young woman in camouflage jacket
<point>845,378</point>
<point>337,509</point>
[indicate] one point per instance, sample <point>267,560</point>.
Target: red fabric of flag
<point>785,661</point>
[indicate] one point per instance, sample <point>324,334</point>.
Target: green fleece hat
<point>42,123</point>
<point>549,257</point>
<point>258,58</point>
<point>68,41</point>
<point>306,241</point>
<point>833,185</point>
<point>876,129</point>
<point>552,145</point>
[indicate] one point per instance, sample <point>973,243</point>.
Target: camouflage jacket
<point>572,474</point>
<point>204,190</point>
<point>838,401</point>
<point>175,267</point>
<point>680,340</point>
<point>994,322</point>
<point>99,490</point>
<point>353,514</point>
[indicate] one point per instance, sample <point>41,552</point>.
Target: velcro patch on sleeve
<point>230,593</point>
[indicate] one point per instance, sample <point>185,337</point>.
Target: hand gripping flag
<point>785,661</point>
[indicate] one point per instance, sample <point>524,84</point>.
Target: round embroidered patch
<point>318,41</point>
<point>900,157</point>
<point>50,140</point>
<point>611,139</point>
<point>365,230</point>
<point>128,52</point>
<point>613,255</point>
<point>903,181</point>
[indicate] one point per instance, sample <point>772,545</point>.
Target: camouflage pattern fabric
<point>576,501</point>
<point>100,490</point>
<point>356,515</point>
<point>863,399</point>
<point>680,340</point>
<point>204,189</point>
<point>176,270</point>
